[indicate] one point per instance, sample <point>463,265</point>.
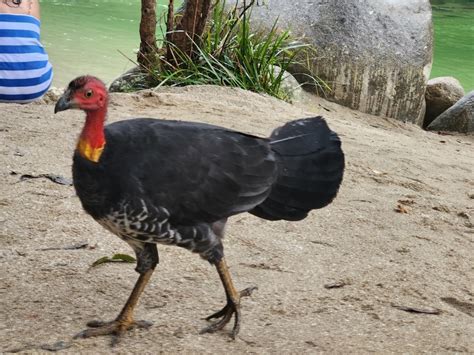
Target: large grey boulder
<point>441,93</point>
<point>376,55</point>
<point>458,118</point>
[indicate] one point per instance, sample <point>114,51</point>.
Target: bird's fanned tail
<point>311,167</point>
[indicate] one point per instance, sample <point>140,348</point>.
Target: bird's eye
<point>88,93</point>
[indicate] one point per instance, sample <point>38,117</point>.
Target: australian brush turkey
<point>153,181</point>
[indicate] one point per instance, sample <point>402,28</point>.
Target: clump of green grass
<point>229,54</point>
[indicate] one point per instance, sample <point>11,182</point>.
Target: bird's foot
<point>231,308</point>
<point>116,328</point>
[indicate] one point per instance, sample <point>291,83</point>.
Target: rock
<point>289,85</point>
<point>51,96</point>
<point>441,94</point>
<point>458,118</point>
<point>132,80</point>
<point>376,55</point>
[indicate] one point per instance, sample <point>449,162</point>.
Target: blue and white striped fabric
<point>25,70</point>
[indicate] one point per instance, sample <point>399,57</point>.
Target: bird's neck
<point>91,142</point>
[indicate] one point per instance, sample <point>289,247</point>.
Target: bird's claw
<point>231,308</point>
<point>116,328</point>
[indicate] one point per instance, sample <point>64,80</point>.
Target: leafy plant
<point>123,258</point>
<point>230,54</point>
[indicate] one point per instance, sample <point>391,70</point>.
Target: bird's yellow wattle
<point>88,151</point>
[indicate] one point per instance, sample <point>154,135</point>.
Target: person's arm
<point>25,7</point>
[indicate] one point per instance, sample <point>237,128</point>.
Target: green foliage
<point>229,54</point>
<point>123,258</point>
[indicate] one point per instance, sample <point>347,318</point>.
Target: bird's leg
<point>233,302</point>
<point>125,320</point>
<point>147,260</point>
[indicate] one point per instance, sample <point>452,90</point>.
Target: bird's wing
<point>199,173</point>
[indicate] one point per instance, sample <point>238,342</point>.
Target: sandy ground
<point>400,234</point>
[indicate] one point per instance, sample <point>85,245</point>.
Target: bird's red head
<point>86,93</point>
<point>89,94</point>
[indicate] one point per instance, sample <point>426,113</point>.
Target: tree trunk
<point>188,31</point>
<point>147,55</point>
<point>170,32</point>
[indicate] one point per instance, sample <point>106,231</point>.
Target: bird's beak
<point>64,103</point>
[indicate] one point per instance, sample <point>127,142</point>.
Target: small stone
<point>289,85</point>
<point>458,118</point>
<point>60,345</point>
<point>336,284</point>
<point>52,95</point>
<point>132,80</point>
<point>463,215</point>
<point>441,94</point>
<point>442,208</point>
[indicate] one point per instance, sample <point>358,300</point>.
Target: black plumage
<point>173,182</point>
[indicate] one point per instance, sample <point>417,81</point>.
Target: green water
<point>454,40</point>
<point>88,36</point>
<point>91,36</point>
